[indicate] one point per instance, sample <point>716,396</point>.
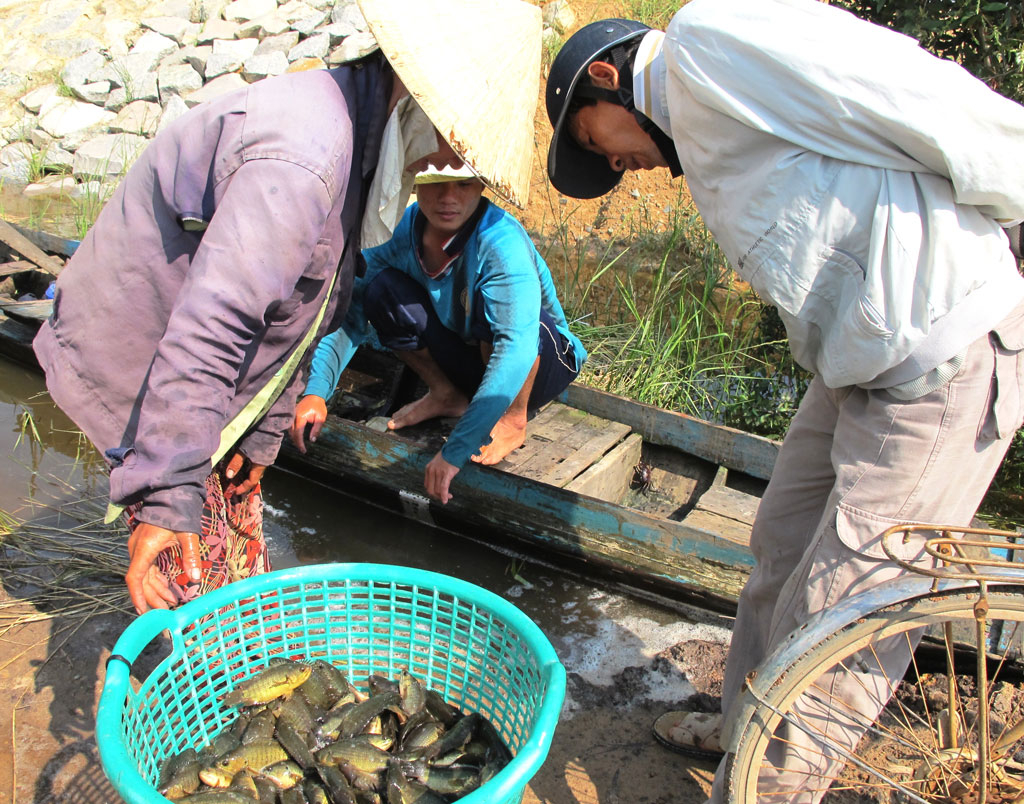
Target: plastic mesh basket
<point>476,649</point>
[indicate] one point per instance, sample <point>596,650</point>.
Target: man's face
<point>612,131</point>
<point>449,204</point>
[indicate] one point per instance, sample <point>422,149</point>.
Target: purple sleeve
<point>260,239</point>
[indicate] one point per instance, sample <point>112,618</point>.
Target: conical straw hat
<point>474,68</point>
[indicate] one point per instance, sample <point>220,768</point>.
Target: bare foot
<point>505,437</point>
<point>429,406</point>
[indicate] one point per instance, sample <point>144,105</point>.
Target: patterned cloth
<point>231,545</point>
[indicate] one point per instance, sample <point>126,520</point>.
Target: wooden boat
<point>656,500</point>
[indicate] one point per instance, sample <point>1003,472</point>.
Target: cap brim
<point>578,173</point>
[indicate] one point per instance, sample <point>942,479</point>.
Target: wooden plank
<point>534,440</point>
<point>609,478</point>
<point>567,444</point>
<point>726,512</point>
<point>29,250</point>
<point>36,310</point>
<point>15,267</point>
<point>722,445</point>
<point>48,242</point>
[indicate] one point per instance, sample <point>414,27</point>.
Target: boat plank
<point>609,478</point>
<point>725,446</point>
<point>569,442</point>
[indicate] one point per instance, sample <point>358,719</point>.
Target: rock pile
<point>82,124</point>
<point>80,131</point>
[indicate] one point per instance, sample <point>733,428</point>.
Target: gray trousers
<point>853,463</point>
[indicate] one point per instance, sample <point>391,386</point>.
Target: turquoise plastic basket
<point>478,650</point>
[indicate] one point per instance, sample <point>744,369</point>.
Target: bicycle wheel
<point>942,736</point>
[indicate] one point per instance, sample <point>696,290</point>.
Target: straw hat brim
<point>474,68</point>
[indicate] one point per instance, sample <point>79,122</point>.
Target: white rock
<point>215,88</point>
<point>176,28</point>
<point>217,29</point>
<point>196,55</point>
<point>282,42</point>
<point>221,63</point>
<point>244,10</point>
<point>559,15</point>
<point>338,31</point>
<point>177,79</point>
<point>152,42</point>
<point>266,64</point>
<point>18,173</point>
<point>40,139</point>
<point>115,34</point>
<point>16,152</point>
<point>88,190</point>
<point>145,88</point>
<point>206,10</point>
<point>50,187</point>
<point>108,155</point>
<point>118,99</point>
<point>97,92</point>
<point>348,11</point>
<point>240,48</point>
<point>352,47</point>
<point>81,70</point>
<point>173,8</point>
<point>295,10</point>
<point>264,25</point>
<point>129,69</point>
<point>315,47</point>
<point>57,158</point>
<point>308,25</point>
<point>138,117</point>
<point>34,99</point>
<point>174,109</point>
<point>62,116</point>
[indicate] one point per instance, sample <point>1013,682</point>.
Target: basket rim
<point>122,771</point>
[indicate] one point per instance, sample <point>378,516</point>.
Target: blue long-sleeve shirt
<point>501,266</point>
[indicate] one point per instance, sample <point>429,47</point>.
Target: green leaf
<point>994,7</point>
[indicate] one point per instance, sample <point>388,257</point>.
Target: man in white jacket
<point>865,188</point>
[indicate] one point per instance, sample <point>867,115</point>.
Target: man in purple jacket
<point>233,236</point>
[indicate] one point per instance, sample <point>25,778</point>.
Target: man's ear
<point>603,75</point>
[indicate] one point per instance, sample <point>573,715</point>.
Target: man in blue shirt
<point>461,295</point>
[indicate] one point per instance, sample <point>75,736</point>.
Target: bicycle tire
<point>902,752</point>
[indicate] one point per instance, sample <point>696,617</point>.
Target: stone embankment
<point>86,84</point>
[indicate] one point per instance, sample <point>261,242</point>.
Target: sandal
<point>696,734</point>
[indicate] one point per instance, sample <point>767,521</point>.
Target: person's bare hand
<point>248,479</point>
<point>147,586</point>
<point>310,411</point>
<point>438,478</point>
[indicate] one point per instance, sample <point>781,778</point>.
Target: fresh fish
<point>276,681</point>
<point>357,752</point>
<point>284,774</point>
<point>260,729</point>
<point>456,737</point>
<point>336,783</point>
<point>379,684</point>
<point>244,782</point>
<point>184,776</point>
<point>292,795</point>
<point>457,780</point>
<point>414,697</point>
<point>295,744</point>
<point>441,709</point>
<point>255,757</point>
<point>402,790</point>
<point>315,792</point>
<point>358,716</point>
<point>224,742</point>
<point>295,712</point>
<point>216,797</point>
